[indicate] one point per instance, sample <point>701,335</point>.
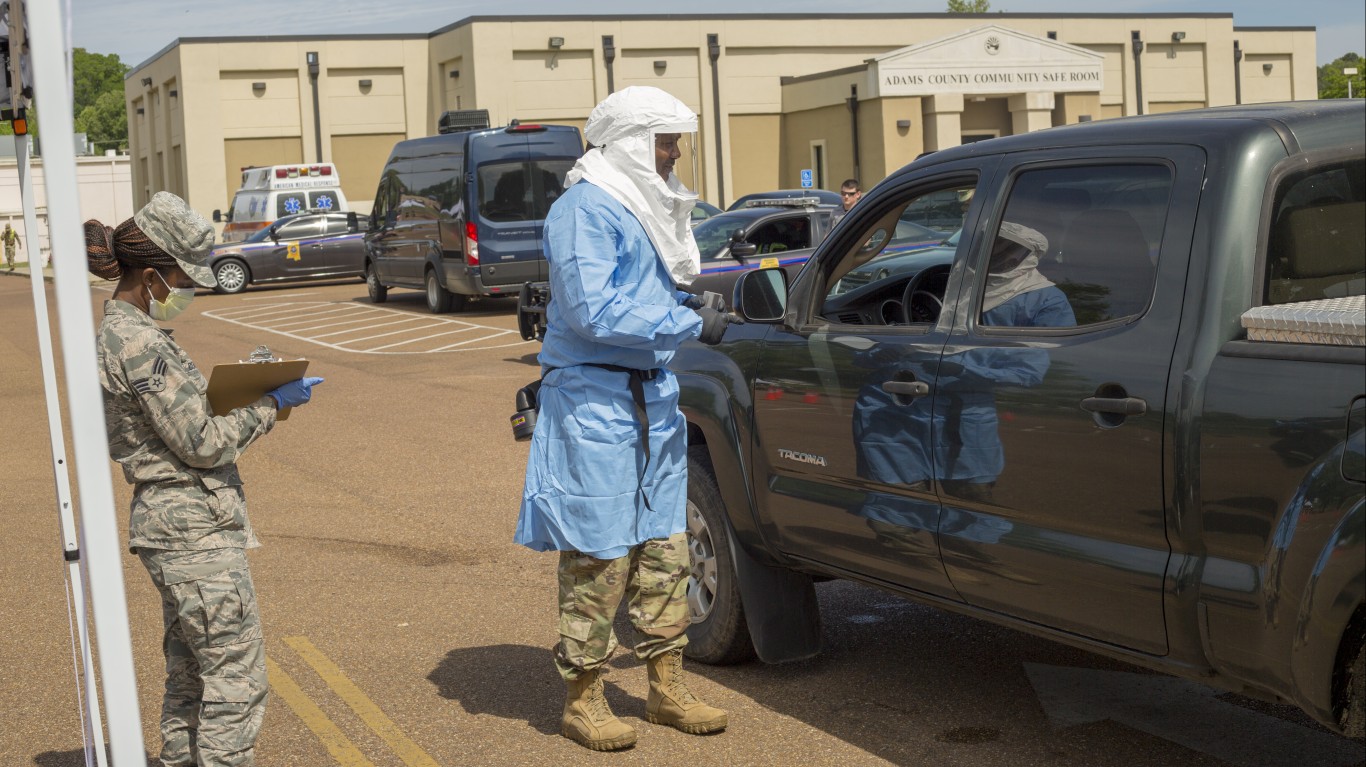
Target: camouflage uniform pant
<point>215,657</point>
<point>654,580</point>
<point>9,256</point>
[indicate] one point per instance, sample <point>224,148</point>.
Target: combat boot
<point>589,721</point>
<point>673,704</point>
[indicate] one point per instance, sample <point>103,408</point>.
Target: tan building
<point>776,95</point>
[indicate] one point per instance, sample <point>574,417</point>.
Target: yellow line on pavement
<point>338,745</point>
<point>411,754</point>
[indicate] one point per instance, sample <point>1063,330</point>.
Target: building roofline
<point>690,17</point>
<point>276,39</point>
<point>1275,29</point>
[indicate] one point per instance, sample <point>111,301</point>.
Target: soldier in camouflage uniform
<point>11,240</point>
<point>189,521</point>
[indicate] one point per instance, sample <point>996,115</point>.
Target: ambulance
<point>269,192</point>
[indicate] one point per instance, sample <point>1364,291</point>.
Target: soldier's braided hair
<point>111,251</point>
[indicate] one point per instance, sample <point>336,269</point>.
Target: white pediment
<point>987,60</point>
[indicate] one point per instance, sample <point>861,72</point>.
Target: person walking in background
<point>12,241</point>
<point>189,521</point>
<point>606,478</point>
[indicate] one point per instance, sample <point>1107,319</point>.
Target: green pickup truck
<point>1124,407</point>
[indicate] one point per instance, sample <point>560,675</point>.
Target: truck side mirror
<point>761,295</point>
<point>352,222</point>
<point>217,216</point>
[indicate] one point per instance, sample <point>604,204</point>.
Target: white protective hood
<point>622,130</point>
<point>1025,276</point>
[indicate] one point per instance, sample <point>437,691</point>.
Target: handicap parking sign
<point>806,178</point>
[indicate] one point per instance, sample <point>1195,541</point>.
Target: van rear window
<point>520,191</point>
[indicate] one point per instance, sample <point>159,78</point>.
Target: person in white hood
<point>606,478</point>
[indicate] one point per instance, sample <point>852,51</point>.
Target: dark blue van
<point>459,215</point>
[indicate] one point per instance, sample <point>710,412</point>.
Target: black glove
<point>714,325</point>
<point>707,298</point>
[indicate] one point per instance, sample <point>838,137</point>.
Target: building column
<point>1030,112</point>
<point>943,121</point>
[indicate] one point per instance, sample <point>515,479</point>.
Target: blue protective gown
<point>612,302</point>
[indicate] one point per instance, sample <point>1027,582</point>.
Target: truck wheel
<point>232,276</point>
<point>438,298</point>
<point>718,634</point>
<point>378,292</point>
<point>1354,713</point>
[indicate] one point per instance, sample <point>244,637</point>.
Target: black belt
<point>637,383</point>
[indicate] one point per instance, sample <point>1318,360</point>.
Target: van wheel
<point>232,276</point>
<point>718,634</point>
<point>378,292</point>
<point>438,298</point>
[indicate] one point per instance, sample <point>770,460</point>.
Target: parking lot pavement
<point>405,629</point>
<point>363,328</point>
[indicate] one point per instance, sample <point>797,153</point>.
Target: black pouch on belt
<point>524,420</point>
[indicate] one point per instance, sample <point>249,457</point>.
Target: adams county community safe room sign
<point>987,60</point>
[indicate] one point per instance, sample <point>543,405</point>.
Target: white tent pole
<point>66,515</point>
<point>87,695</point>
<point>99,528</point>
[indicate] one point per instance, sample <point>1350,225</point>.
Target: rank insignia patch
<point>156,382</point>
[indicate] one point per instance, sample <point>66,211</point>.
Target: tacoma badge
<point>793,455</point>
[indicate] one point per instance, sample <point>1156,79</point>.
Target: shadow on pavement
<point>511,682</point>
<point>72,758</point>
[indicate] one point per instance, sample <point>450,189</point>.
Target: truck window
<point>918,234</point>
<point>1076,246</point>
<point>1316,237</point>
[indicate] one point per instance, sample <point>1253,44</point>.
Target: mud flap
<point>780,608</point>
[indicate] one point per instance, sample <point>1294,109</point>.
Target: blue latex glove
<point>294,393</point>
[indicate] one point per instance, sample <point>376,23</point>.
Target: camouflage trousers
<point>654,580</point>
<point>215,657</point>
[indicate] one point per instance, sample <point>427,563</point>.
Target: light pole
<point>1349,71</point>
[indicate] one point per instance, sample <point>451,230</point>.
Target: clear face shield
<point>675,152</point>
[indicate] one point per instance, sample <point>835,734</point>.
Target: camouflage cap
<point>181,232</point>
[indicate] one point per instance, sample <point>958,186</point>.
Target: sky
<point>137,29</point>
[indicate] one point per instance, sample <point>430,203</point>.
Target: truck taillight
<point>281,173</point>
<point>471,244</point>
<point>327,170</point>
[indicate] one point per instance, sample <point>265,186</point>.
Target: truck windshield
<point>520,191</point>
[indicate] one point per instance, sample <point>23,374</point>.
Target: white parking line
<point>299,321</point>
<point>390,333</point>
<point>276,298</point>
<point>372,325</point>
<point>415,340</point>
<point>351,316</point>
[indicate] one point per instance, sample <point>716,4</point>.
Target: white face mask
<point>176,301</point>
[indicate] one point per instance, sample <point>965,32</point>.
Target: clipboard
<point>242,383</point>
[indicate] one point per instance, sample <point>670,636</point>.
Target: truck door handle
<point>906,388</point>
<point>1115,405</point>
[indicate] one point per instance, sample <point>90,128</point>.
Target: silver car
<point>305,246</point>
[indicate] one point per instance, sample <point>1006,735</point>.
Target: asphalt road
<point>404,628</point>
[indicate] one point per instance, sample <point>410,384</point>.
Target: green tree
<point>969,6</point>
<point>105,122</point>
<point>97,103</point>
<point>1333,83</point>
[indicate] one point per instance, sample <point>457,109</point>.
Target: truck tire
<point>718,634</point>
<point>438,298</point>
<point>1354,713</point>
<point>378,292</point>
<point>232,276</point>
